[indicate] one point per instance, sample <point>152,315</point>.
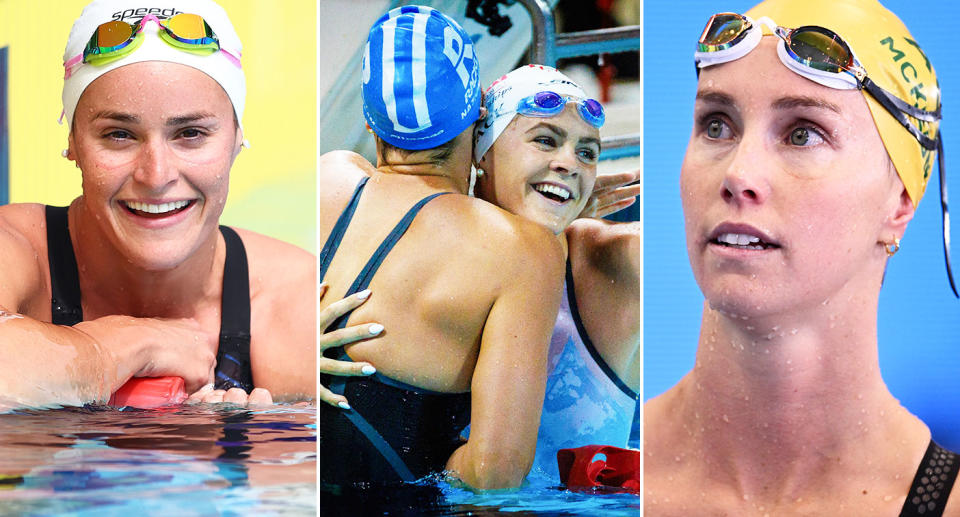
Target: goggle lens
<point>112,34</point>
<point>820,49</point>
<point>188,27</point>
<point>722,29</point>
<point>548,101</point>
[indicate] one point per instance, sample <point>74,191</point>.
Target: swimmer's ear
<point>69,153</point>
<point>239,142</point>
<point>369,129</point>
<point>903,213</point>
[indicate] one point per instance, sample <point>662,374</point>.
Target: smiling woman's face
<point>542,169</point>
<point>155,142</point>
<point>786,189</point>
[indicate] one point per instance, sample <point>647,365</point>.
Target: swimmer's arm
<point>509,379</point>
<point>46,364</point>
<point>283,347</point>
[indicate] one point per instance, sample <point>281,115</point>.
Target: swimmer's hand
<point>342,337</point>
<point>153,347</point>
<point>612,193</point>
<point>236,396</point>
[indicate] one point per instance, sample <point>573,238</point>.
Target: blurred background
<point>272,184</point>
<point>919,318</point>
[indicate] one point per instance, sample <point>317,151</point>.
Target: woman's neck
<point>775,407</point>
<point>112,284</point>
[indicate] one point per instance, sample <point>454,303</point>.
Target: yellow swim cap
<point>892,59</point>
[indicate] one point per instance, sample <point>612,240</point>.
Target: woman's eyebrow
<point>562,133</point>
<point>188,118</point>
<point>117,116</point>
<point>800,101</point>
<point>715,97</point>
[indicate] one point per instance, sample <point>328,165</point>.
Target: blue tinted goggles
<point>550,104</point>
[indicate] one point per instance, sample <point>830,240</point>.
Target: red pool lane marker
<point>150,392</point>
<point>584,467</point>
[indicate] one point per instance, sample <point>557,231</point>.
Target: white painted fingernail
<point>363,295</point>
<point>343,405</point>
<point>375,329</point>
<point>368,370</point>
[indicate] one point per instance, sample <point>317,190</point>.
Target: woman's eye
<point>545,140</point>
<point>191,133</point>
<point>715,128</point>
<point>118,134</point>
<point>803,137</point>
<point>588,155</point>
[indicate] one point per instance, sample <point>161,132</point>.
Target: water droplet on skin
<point>726,419</point>
<point>887,498</point>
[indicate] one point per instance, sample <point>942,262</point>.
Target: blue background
<point>919,319</point>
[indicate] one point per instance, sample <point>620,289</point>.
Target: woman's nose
<point>155,169</point>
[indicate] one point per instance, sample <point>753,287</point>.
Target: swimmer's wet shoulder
<point>283,316</point>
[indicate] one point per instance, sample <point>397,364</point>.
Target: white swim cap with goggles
<point>532,91</point>
<point>110,34</point>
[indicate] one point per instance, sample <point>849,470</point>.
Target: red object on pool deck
<point>150,392</point>
<point>581,467</point>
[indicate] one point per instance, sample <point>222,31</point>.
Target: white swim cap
<point>218,65</point>
<point>503,96</point>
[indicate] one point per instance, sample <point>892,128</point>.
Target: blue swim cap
<point>421,79</point>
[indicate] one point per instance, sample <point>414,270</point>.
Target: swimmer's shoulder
<point>23,255</point>
<point>282,304</point>
<point>615,249</point>
<point>274,263</point>
<point>342,170</point>
<point>501,244</point>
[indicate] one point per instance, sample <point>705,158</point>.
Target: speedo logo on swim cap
<point>137,14</point>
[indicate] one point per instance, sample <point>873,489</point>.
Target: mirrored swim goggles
<point>550,104</point>
<point>115,39</point>
<point>822,56</point>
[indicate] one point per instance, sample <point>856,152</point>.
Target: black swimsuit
<point>393,431</point>
<point>233,352</point>
<point>932,484</point>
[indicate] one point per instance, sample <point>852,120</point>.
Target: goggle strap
<point>885,100</point>
<point>909,109</point>
<point>946,213</point>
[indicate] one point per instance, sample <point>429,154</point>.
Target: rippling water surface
<point>541,495</point>
<point>181,461</point>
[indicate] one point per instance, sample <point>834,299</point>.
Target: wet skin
<point>545,168</point>
<point>140,140</point>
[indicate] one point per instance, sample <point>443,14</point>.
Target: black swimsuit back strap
<point>336,235</point>
<point>233,353</point>
<point>932,484</point>
<point>64,281</point>
<point>370,269</point>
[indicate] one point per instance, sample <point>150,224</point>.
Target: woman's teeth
<point>741,240</point>
<point>156,209</point>
<point>553,191</point>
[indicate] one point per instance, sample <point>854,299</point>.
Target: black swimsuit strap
<point>336,235</point>
<point>587,342</point>
<point>932,484</point>
<point>64,282</point>
<point>370,269</point>
<point>338,384</point>
<point>233,353</point>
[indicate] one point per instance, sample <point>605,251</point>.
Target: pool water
<point>181,461</point>
<point>432,496</point>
